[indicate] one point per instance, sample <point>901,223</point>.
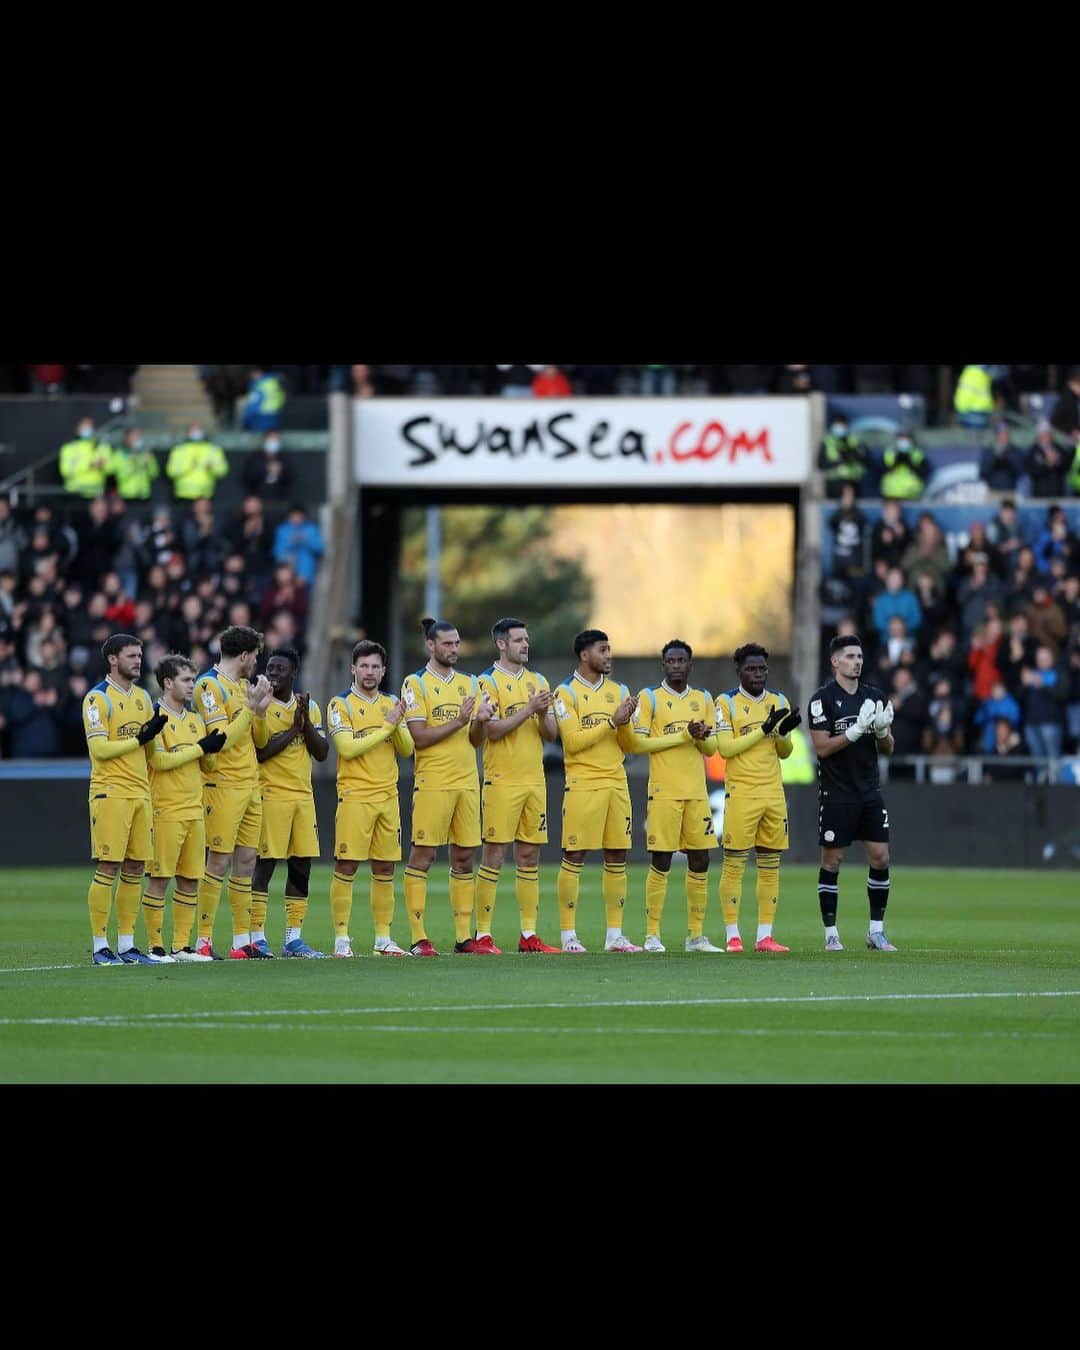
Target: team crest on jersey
<point>610,698</point>
<point>695,707</point>
<point>419,834</point>
<point>92,714</point>
<point>410,698</point>
<point>335,716</point>
<point>461,691</point>
<point>560,709</point>
<point>208,700</point>
<point>816,708</point>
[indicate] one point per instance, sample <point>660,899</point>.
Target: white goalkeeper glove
<point>863,722</point>
<point>883,716</point>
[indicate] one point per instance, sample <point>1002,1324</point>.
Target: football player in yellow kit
<point>753,733</point>
<point>593,715</point>
<point>119,721</point>
<point>368,732</point>
<point>447,717</point>
<point>289,827</point>
<point>183,751</point>
<point>515,791</point>
<point>679,815</point>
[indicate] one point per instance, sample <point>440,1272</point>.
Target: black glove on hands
<point>769,725</point>
<point>789,723</point>
<point>150,729</point>
<point>212,742</point>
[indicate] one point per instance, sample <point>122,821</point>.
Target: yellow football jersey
<point>680,772</point>
<point>434,700</point>
<point>177,793</point>
<point>581,710</point>
<point>371,777</point>
<point>287,776</point>
<point>115,713</point>
<point>755,772</point>
<point>220,701</point>
<point>518,758</point>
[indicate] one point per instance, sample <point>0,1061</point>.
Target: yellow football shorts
<point>233,817</point>
<point>120,827</point>
<point>179,848</point>
<point>364,830</point>
<point>446,817</point>
<point>755,820</point>
<point>597,817</point>
<point>675,825</point>
<point>289,829</point>
<point>515,812</point>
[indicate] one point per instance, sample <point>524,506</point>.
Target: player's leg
<point>138,855</point>
<point>582,830</point>
<point>341,900</point>
<point>618,832</point>
<point>431,814</point>
<point>354,823</point>
<point>224,809</point>
<point>181,855</point>
<point>99,900</point>
<point>741,816</point>
<point>770,842</point>
<point>836,828</point>
<point>245,856</point>
<point>302,849</point>
<point>464,840</point>
<point>527,894</point>
<point>697,837</point>
<point>487,882</point>
<point>874,830</point>
<point>260,890</point>
<point>385,854</point>
<point>153,902</point>
<point>500,812</point>
<point>110,830</point>
<point>663,822</point>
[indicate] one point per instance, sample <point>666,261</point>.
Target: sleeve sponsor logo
<point>815,708</point>
<point>561,711</point>
<point>209,702</point>
<point>409,696</point>
<point>92,715</point>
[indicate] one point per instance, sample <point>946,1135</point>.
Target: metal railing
<point>942,769</point>
<point>23,482</point>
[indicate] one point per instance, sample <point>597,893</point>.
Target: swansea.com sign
<point>452,442</point>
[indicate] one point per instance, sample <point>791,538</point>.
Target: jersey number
<point>884,819</point>
<point>543,821</point>
<point>708,824</point>
<point>629,832</point>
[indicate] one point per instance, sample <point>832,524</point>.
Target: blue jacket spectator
<point>1001,464</point>
<point>299,541</point>
<point>1054,541</point>
<point>33,720</point>
<point>265,400</point>
<point>1000,704</point>
<point>896,599</point>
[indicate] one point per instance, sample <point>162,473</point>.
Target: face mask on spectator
<point>86,430</point>
<point>195,434</point>
<point>136,443</point>
<point>273,447</point>
<point>838,429</point>
<point>903,445</point>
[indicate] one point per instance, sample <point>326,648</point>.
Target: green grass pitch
<point>985,989</point>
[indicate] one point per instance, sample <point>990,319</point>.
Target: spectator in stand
<point>999,706</point>
<point>1045,692</point>
<point>265,400</point>
<point>1066,416</point>
<point>793,379</point>
<point>298,541</point>
<point>551,383</point>
<point>974,401</point>
<point>977,549</point>
<point>285,592</point>
<point>945,733</point>
<point>982,658</point>
<point>120,610</point>
<point>1046,618</point>
<point>931,602</point>
<point>1046,464</point>
<point>134,467</point>
<point>910,718</point>
<point>899,646</point>
<point>84,462</point>
<point>1001,463</point>
<point>1005,746</point>
<point>975,594</point>
<point>362,384</point>
<point>12,536</point>
<point>205,547</point>
<point>943,658</point>
<point>658,381</point>
<point>1018,652</point>
<point>195,465</point>
<point>1072,705</point>
<point>517,380</point>
<point>1004,533</point>
<point>838,601</point>
<point>1024,579</point>
<point>598,381</point>
<point>99,539</point>
<point>1056,541</point>
<point>1073,476</point>
<point>269,474</point>
<point>927,553</point>
<point>225,385</point>
<point>33,721</point>
<point>848,525</point>
<point>842,457</point>
<point>905,469</point>
<point>896,599</point>
<point>47,379</point>
<point>890,536</point>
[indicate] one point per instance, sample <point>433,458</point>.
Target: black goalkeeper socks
<point>828,894</point>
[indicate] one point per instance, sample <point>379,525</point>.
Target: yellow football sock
<point>461,902</point>
<point>416,901</point>
<point>768,886</point>
<point>697,899</point>
<point>382,903</point>
<point>183,916</point>
<point>487,879</point>
<point>341,903</point>
<point>655,895</point>
<point>259,904</point>
<point>566,892</point>
<point>209,899</point>
<point>527,892</point>
<point>154,914</point>
<point>128,895</point>
<point>99,898</point>
<point>613,887</point>
<point>240,904</point>
<point>731,882</point>
<point>295,909</point>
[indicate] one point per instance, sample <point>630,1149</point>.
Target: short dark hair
<point>503,628</point>
<point>170,666</point>
<point>743,654</point>
<point>432,627</point>
<point>365,647</point>
<point>587,638</point>
<point>114,645</point>
<point>844,640</point>
<point>289,654</point>
<point>677,642</point>
<point>239,640</point>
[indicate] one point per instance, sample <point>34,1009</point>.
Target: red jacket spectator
<point>551,383</point>
<point>982,659</point>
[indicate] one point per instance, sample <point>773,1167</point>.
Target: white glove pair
<point>872,716</point>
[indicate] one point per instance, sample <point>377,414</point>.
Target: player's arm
<point>538,706</point>
<point>416,711</point>
<point>826,744</point>
<point>782,739</point>
<point>162,760</point>
<point>576,738</point>
<point>98,745</point>
<point>276,743</point>
<point>707,746</point>
<point>635,743</point>
<point>318,747</point>
<point>215,715</point>
<point>403,741</point>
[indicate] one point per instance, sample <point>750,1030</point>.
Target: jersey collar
<point>360,694</point>
<point>752,697</point>
<point>127,693</point>
<point>668,690</point>
<point>290,703</point>
<point>510,674</point>
<point>436,676</point>
<point>593,687</point>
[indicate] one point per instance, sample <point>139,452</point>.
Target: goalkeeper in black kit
<point>849,725</point>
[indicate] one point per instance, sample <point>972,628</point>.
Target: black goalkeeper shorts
<point>841,822</point>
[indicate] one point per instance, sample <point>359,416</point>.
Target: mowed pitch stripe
<point>230,1018</point>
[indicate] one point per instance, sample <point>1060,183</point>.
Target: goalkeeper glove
<point>212,742</point>
<point>883,716</point>
<point>150,729</point>
<point>769,725</point>
<point>789,723</point>
<point>863,722</point>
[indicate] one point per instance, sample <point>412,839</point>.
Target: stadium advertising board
<point>451,442</point>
